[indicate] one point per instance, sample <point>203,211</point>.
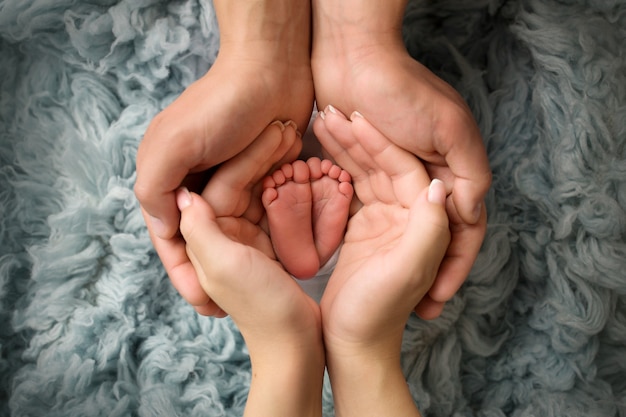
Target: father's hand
<point>360,64</point>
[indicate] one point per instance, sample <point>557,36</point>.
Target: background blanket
<point>89,323</point>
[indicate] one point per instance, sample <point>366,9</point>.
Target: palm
<point>370,255</point>
<point>381,264</point>
<point>248,234</point>
<point>423,114</point>
<point>245,279</point>
<point>259,292</point>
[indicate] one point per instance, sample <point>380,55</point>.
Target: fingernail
<point>293,124</point>
<point>322,115</point>
<point>183,198</point>
<point>158,227</point>
<point>355,114</point>
<point>331,109</point>
<point>279,124</point>
<point>437,192</point>
<point>477,212</point>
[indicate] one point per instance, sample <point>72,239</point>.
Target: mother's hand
<point>391,254</point>
<point>234,263</point>
<point>394,243</point>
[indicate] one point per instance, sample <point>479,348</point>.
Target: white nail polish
<point>279,124</point>
<point>183,198</point>
<point>355,114</point>
<point>437,192</point>
<point>293,124</point>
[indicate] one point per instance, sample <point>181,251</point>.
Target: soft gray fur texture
<point>90,325</point>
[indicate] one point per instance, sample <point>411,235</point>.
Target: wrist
<point>367,383</point>
<point>269,29</point>
<point>287,379</point>
<point>353,25</point>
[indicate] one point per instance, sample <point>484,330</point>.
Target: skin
<point>390,257</point>
<point>231,194</point>
<point>392,251</point>
<point>241,278</point>
<point>307,205</point>
<point>264,52</point>
<point>360,64</point>
<point>352,53</point>
<point>232,255</point>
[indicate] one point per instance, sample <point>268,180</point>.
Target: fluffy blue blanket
<point>90,325</point>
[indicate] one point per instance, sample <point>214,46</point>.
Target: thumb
<point>207,247</point>
<point>428,229</point>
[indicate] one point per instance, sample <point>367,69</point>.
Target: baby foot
<point>307,208</point>
<point>332,192</point>
<point>288,202</point>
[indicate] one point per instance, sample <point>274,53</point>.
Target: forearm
<point>348,18</point>
<point>280,27</point>
<point>347,31</point>
<point>286,381</point>
<point>369,385</point>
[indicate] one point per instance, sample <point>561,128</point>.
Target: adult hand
<point>262,74</point>
<point>390,256</point>
<point>279,322</point>
<point>235,265</point>
<point>360,64</point>
<point>234,195</point>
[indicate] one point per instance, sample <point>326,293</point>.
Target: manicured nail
<point>355,114</point>
<point>477,212</point>
<point>279,124</point>
<point>183,198</point>
<point>293,124</point>
<point>322,115</point>
<point>331,109</point>
<point>158,227</point>
<point>437,192</point>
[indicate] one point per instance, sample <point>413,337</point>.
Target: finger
<point>335,134</point>
<point>158,205</point>
<point>428,231</point>
<point>212,253</point>
<point>341,130</point>
<point>462,252</point>
<point>225,266</point>
<point>468,195</point>
<point>424,243</point>
<point>166,155</point>
<point>329,142</point>
<point>429,309</point>
<point>291,146</point>
<point>390,157</point>
<point>181,272</point>
<point>210,310</point>
<point>225,192</point>
<point>465,154</point>
<point>287,152</point>
<point>406,174</point>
